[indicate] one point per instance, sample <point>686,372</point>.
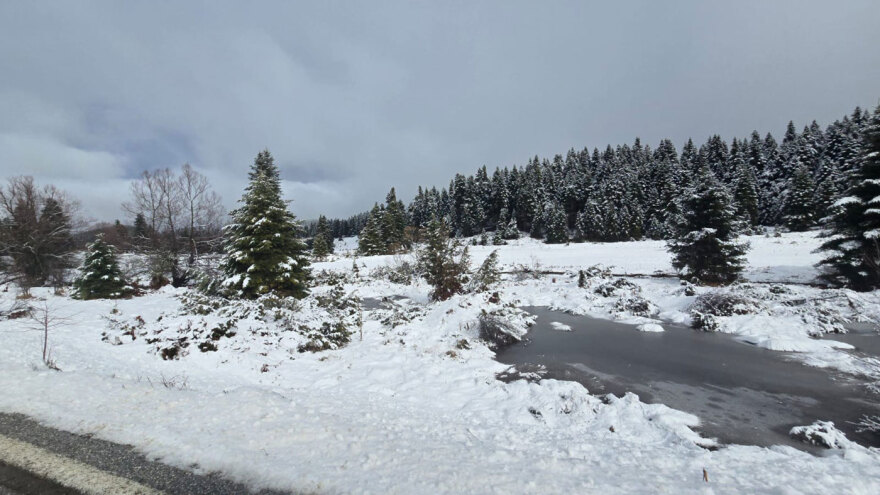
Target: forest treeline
<point>632,192</point>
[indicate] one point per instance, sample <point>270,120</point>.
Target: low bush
<point>709,306</point>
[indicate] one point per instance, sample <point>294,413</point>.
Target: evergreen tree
<point>100,276</point>
<point>854,244</point>
<point>505,230</point>
<point>320,250</point>
<point>590,224</point>
<point>322,244</point>
<point>263,252</point>
<point>705,248</point>
<point>716,156</point>
<point>556,225</point>
<point>799,208</point>
<point>444,262</point>
<point>746,194</point>
<point>488,275</point>
<point>121,234</point>
<point>371,240</point>
<point>772,184</point>
<point>141,229</point>
<point>394,225</point>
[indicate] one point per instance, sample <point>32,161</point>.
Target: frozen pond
<point>741,393</point>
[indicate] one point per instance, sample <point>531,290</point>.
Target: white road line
<point>67,472</point>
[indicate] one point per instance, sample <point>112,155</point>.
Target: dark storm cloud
<point>353,98</point>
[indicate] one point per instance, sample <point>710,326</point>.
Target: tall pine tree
<point>263,253</point>
<point>371,240</point>
<point>799,207</point>
<point>854,244</point>
<point>556,225</point>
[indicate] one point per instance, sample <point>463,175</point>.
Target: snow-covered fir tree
<point>371,240</point>
<point>488,274</point>
<point>141,230</point>
<point>745,193</point>
<point>555,225</point>
<point>393,225</point>
<point>799,208</point>
<point>853,247</point>
<point>322,243</point>
<point>262,251</point>
<point>631,191</point>
<point>705,248</point>
<point>100,276</point>
<point>505,229</point>
<point>443,261</point>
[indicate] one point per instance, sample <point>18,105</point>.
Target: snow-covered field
<point>411,404</point>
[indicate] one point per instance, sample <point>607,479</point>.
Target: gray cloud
<point>353,98</point>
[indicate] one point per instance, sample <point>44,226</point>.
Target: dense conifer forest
<point>628,192</point>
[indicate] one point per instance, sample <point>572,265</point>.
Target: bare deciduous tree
<point>46,317</point>
<point>180,212</point>
<point>202,209</point>
<point>146,199</point>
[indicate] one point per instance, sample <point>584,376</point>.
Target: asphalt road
<point>15,481</point>
<point>90,465</point>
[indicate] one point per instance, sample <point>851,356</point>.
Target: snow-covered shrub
<point>330,277</point>
<point>211,284</point>
<point>636,305</point>
<point>269,323</point>
<point>688,289</point>
<point>329,336</point>
<point>525,271</point>
<point>597,271</point>
<point>868,423</point>
<point>19,309</point>
<point>119,328</point>
<point>401,315</point>
<point>402,271</point>
<point>337,299</point>
<point>497,331</point>
<point>609,289</point>
<point>504,325</point>
<point>820,433</point>
<point>707,307</point>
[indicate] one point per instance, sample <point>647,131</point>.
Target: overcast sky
<point>354,97</point>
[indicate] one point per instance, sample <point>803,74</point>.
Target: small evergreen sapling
<point>322,244</point>
<point>320,250</point>
<point>488,275</point>
<point>443,262</point>
<point>100,276</point>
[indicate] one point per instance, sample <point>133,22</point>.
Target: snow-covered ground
<point>411,404</point>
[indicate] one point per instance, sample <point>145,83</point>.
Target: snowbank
<point>412,403</point>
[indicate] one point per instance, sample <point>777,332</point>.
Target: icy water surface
<point>741,393</point>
